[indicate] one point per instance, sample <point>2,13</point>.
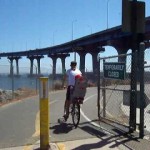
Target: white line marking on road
<point>93,123</point>
<point>51,102</point>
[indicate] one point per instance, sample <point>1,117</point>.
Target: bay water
<point>23,81</point>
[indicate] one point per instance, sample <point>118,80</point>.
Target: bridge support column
<point>54,66</point>
<point>82,62</point>
<point>63,57</point>
<point>38,58</point>
<point>31,64</point>
<point>11,65</point>
<point>63,64</point>
<point>17,65</point>
<point>94,61</point>
<point>54,58</point>
<point>96,65</point>
<point>122,58</point>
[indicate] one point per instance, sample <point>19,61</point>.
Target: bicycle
<point>75,110</point>
<point>77,97</point>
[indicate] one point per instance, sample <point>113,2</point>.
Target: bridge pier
<point>94,61</point>
<point>54,59</point>
<point>11,64</point>
<point>38,58</point>
<point>31,64</point>
<point>63,57</point>
<point>17,65</point>
<point>82,62</point>
<point>54,66</point>
<point>122,58</point>
<point>122,46</point>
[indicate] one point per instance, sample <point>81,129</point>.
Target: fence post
<point>133,95</point>
<point>44,114</point>
<point>142,100</point>
<point>104,95</point>
<point>98,85</point>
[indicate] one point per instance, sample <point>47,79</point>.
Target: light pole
<point>72,38</point>
<point>107,12</point>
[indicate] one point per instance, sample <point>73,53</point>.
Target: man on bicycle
<point>70,75</point>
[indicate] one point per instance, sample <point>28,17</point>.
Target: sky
<point>31,24</point>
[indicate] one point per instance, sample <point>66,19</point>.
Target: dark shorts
<point>69,92</point>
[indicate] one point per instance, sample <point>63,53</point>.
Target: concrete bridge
<point>92,44</point>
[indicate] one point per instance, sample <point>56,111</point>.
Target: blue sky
<point>31,24</point>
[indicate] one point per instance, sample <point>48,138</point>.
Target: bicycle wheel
<point>76,114</point>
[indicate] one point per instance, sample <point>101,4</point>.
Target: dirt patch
<point>19,94</point>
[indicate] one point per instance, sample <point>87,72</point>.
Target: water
<point>23,81</point>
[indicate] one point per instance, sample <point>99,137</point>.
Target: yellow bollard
<point>44,114</point>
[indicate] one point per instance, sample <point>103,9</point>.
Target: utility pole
<point>133,93</point>
<point>133,20</point>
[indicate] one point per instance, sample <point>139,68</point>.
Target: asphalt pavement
<point>88,144</point>
<point>106,139</point>
<point>109,142</point>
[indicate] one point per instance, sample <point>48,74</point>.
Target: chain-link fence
<point>115,93</point>
<point>147,93</point>
<point>115,89</point>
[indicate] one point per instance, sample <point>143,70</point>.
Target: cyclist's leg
<point>66,111</point>
<point>67,104</point>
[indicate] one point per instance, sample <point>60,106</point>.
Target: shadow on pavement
<point>93,131</point>
<point>62,128</point>
<point>119,139</point>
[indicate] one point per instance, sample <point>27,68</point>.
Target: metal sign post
<point>104,94</point>
<point>44,114</point>
<point>98,85</point>
<point>141,127</point>
<point>133,20</point>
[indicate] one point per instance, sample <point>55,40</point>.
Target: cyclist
<point>71,75</point>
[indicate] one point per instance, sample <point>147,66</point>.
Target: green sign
<point>114,70</point>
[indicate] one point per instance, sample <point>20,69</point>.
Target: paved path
<point>89,135</point>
